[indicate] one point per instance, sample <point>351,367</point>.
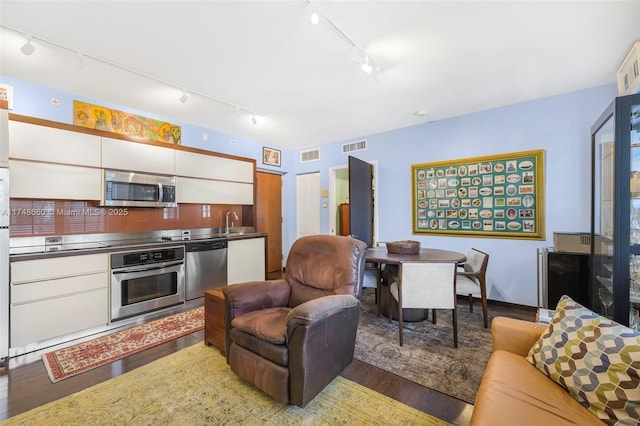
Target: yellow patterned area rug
<point>195,386</point>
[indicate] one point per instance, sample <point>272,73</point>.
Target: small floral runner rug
<point>76,359</point>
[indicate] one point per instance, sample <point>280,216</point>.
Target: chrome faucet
<point>226,224</point>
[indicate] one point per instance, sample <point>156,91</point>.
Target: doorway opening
<point>269,216</point>
<point>339,195</point>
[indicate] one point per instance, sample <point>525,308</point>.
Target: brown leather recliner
<point>291,337</point>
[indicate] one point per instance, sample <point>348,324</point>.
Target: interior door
<point>269,216</point>
<point>308,204</point>
<point>361,200</point>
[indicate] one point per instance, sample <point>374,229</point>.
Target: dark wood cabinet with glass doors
<point>615,214</point>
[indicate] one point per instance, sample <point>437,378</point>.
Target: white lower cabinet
<point>58,296</point>
<point>246,260</point>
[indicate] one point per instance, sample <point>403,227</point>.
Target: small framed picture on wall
<point>271,156</point>
<point>6,94</point>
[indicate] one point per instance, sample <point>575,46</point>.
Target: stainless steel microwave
<point>128,189</point>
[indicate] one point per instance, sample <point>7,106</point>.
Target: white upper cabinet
<point>54,181</point>
<point>139,157</point>
<point>41,143</point>
<point>4,138</point>
<point>190,164</point>
<point>52,163</point>
<point>206,191</point>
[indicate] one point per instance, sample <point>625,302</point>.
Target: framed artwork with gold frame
<point>497,196</point>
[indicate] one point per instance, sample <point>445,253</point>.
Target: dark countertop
<point>93,247</point>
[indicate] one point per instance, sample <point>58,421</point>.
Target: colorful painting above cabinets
<point>124,123</point>
<point>498,196</point>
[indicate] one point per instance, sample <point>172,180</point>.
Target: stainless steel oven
<point>146,280</point>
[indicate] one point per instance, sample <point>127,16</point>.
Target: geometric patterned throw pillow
<point>594,358</point>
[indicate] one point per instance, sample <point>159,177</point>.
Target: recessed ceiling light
<point>420,113</point>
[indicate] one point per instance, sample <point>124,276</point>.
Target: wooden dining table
<point>378,256</point>
<point>381,255</point>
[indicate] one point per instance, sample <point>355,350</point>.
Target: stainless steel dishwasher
<point>206,267</point>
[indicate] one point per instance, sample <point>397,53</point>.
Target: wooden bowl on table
<point>404,247</point>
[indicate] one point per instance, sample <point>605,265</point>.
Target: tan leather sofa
<point>514,392</point>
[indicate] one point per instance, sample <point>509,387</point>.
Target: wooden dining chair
<point>472,280</point>
<point>425,285</point>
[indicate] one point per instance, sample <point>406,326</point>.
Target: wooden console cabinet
<point>214,330</point>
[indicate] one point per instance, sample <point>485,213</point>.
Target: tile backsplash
<point>66,217</point>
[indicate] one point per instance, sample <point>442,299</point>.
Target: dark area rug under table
<point>427,356</point>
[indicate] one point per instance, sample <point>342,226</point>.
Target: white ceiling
<point>445,58</point>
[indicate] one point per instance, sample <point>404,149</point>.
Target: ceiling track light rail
<point>361,56</point>
<point>28,48</point>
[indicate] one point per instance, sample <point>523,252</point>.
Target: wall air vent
<point>355,146</point>
<point>311,155</point>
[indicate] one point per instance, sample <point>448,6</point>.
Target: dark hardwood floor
<point>24,383</point>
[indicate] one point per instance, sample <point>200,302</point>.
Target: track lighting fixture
<point>366,65</point>
<point>315,18</point>
<point>361,57</point>
<point>28,48</point>
<point>242,112</point>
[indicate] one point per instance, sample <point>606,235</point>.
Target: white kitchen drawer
<point>54,181</point>
<point>33,142</point>
<point>58,267</point>
<point>191,164</point>
<point>56,288</point>
<point>204,191</point>
<point>46,319</point>
<point>138,157</point>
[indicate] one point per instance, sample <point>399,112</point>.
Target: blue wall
<point>560,125</point>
